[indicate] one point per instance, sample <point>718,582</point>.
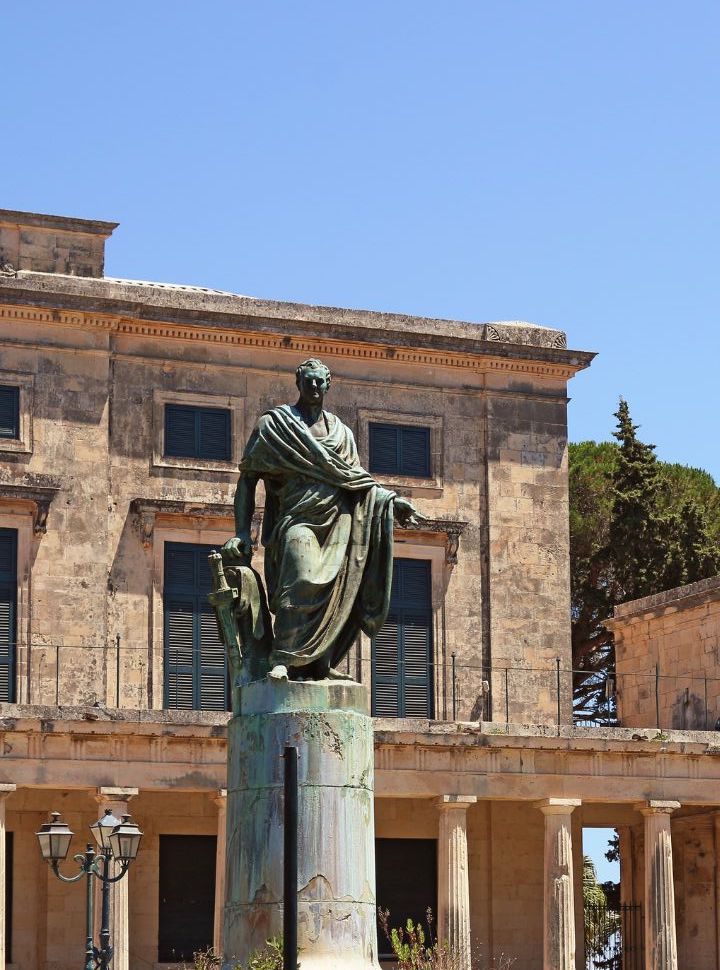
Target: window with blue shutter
<point>8,613</point>
<point>186,886</point>
<point>402,649</point>
<point>196,675</point>
<point>196,432</point>
<point>9,411</point>
<point>399,449</point>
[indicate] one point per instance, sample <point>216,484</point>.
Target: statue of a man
<point>327,530</point>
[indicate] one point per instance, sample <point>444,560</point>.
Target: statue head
<point>313,380</point>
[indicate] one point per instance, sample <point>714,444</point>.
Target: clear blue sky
<point>554,162</point>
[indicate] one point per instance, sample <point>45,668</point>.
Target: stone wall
<point>677,634</point>
<point>97,377</point>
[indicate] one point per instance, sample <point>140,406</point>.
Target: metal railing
<point>614,937</point>
<point>503,693</point>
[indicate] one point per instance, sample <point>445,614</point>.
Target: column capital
<point>104,794</point>
<point>558,806</point>
<point>447,802</point>
<point>6,790</point>
<point>657,807</point>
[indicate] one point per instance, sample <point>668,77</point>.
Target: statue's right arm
<point>241,545</point>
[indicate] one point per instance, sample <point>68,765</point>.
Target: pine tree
<point>638,527</point>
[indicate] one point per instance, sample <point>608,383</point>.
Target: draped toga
<point>327,533</point>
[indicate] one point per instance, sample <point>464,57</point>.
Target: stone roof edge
<point>93,227</point>
<point>211,725</point>
<point>199,308</point>
<point>691,595</point>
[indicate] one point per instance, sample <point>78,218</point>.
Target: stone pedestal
<point>328,722</point>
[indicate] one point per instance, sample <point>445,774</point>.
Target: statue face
<point>313,386</point>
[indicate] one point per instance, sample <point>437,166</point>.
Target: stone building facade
<point>109,502</point>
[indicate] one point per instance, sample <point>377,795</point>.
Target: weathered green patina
<point>327,533</point>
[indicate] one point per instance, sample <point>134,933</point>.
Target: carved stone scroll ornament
<point>39,495</point>
<point>452,529</point>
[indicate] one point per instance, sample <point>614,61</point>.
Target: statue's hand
<point>238,550</point>
<point>406,514</point>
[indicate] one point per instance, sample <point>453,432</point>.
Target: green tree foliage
<point>638,526</point>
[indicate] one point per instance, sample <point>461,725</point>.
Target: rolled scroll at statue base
<point>329,723</point>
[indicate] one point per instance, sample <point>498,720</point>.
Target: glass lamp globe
<point>125,840</point>
<point>54,838</point>
<point>103,828</point>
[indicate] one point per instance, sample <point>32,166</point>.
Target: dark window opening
<point>406,884</point>
<point>8,613</point>
<point>9,411</point>
<point>9,843</point>
<point>196,432</point>
<point>196,671</point>
<point>402,649</point>
<point>397,449</point>
<point>187,896</point>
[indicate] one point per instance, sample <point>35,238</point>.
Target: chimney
<point>52,244</point>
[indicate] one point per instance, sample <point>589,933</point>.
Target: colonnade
<point>559,944</point>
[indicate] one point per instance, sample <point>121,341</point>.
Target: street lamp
<point>117,841</point>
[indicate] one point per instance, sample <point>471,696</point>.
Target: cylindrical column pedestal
<point>329,724</point>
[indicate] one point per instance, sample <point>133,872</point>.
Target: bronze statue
<point>327,532</point>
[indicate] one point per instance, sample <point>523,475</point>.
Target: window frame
<point>25,384</point>
<point>197,412</point>
<point>430,486</point>
<point>196,665</point>
<point>235,404</point>
<point>404,611</point>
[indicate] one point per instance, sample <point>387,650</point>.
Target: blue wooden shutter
<point>398,449</point>
<point>195,664</point>
<point>214,434</point>
<point>8,612</point>
<point>196,432</point>
<point>402,649</point>
<point>9,412</point>
<point>383,439</point>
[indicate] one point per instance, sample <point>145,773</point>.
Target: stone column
<point>117,799</point>
<point>221,802</point>
<point>453,882</point>
<point>5,790</point>
<point>329,724</point>
<point>559,901</point>
<point>660,934</point>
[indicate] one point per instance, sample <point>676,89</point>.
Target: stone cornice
<point>40,496</point>
<point>39,220</point>
<point>678,598</point>
<point>202,316</point>
<point>90,747</point>
<point>146,511</point>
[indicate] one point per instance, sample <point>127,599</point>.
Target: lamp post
<point>117,841</point>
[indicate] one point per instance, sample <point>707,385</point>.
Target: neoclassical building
<point>124,406</point>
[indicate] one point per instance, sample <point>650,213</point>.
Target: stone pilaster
<point>453,879</point>
<point>117,800</point>
<point>559,901</point>
<point>5,790</point>
<point>221,802</point>
<point>660,933</point>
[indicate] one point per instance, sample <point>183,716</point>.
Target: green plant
<point>269,958</point>
<point>415,949</point>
